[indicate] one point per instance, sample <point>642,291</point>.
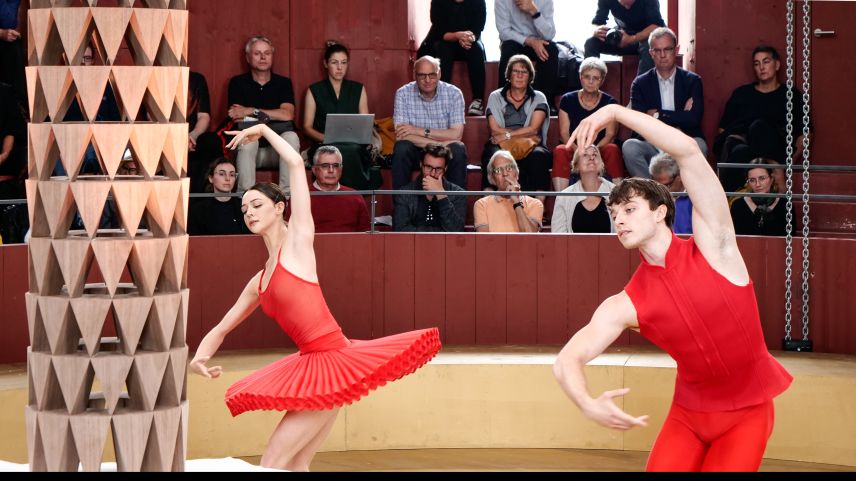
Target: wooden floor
<point>511,460</point>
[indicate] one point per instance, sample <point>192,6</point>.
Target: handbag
<point>519,148</point>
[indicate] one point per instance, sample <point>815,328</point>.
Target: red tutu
<point>328,379</point>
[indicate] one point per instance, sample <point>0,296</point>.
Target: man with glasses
<point>635,20</point>
<point>526,27</point>
<point>428,111</point>
<point>434,212</point>
<point>513,213</point>
<point>335,213</point>
<point>266,97</point>
<point>664,170</point>
<point>669,93</point>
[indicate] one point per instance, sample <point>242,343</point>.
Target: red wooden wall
<point>477,289</point>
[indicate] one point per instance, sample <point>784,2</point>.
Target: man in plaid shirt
<point>428,111</point>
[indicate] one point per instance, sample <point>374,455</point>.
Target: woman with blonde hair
<point>584,214</point>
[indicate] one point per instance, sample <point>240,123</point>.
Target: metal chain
<point>806,160</point>
<point>789,174</point>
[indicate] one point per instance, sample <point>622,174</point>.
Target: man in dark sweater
<point>431,213</point>
<point>635,19</point>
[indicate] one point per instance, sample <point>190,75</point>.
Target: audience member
<point>268,98</point>
<point>573,109</point>
<point>12,57</point>
<point>669,93</point>
<point>427,111</point>
<point>664,170</point>
<point>204,146</point>
<point>519,119</point>
<point>754,123</point>
<point>218,215</point>
<point>335,213</point>
<point>338,95</point>
<point>13,218</point>
<point>527,27</point>
<point>635,20</point>
<point>516,213</point>
<point>759,215</point>
<point>584,215</point>
<point>431,213</point>
<point>456,28</point>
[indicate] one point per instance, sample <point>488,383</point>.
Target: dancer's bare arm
<point>613,316</point>
<point>713,229</point>
<point>244,306</point>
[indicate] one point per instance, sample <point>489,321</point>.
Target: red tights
<point>713,441</point>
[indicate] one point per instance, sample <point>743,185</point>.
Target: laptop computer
<point>349,128</point>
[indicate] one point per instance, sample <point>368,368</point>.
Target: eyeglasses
<point>88,58</point>
<point>662,51</point>
<point>520,72</point>
<point>592,78</point>
<point>336,63</point>
<point>757,180</point>
<point>329,166</point>
<point>501,170</point>
<point>432,170</point>
<point>427,76</point>
<point>226,173</point>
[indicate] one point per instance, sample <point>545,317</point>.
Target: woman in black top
<point>759,216</point>
<point>218,215</point>
<point>456,28</point>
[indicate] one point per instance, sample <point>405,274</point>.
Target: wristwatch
<point>537,15</point>
<point>427,133</point>
<point>256,113</point>
<point>518,204</point>
<point>508,136</point>
<point>656,115</point>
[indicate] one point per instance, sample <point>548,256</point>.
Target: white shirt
<point>667,91</point>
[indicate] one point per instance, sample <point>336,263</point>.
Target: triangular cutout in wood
<point>111,141</point>
<point>146,378</point>
<point>35,450</point>
<point>42,148</point>
<point>75,379</point>
<point>130,84</point>
<point>112,257</point>
<point>179,338</point>
<point>90,197</point>
<point>36,96</point>
<point>147,144</point>
<point>181,95</point>
<point>111,370</point>
<point>147,259</point>
<point>35,324</point>
<point>90,435</point>
<point>172,391</point>
<point>112,23</point>
<point>56,84</point>
<point>175,151</point>
<point>131,197</point>
<point>72,140</point>
<point>162,440</point>
<point>60,454</point>
<point>73,25</point>
<point>129,428</point>
<point>43,382</point>
<point>181,209</point>
<point>162,92</point>
<point>36,211</point>
<point>44,268</point>
<point>157,336</point>
<point>130,314</point>
<point>176,264</point>
<point>58,203</point>
<point>147,29</point>
<point>91,81</point>
<point>75,259</point>
<point>41,26</point>
<point>63,335</point>
<point>90,312</point>
<point>161,205</point>
<point>175,38</point>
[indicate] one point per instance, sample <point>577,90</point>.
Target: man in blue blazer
<point>669,93</point>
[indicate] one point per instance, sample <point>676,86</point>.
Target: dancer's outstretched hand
<point>246,136</point>
<point>586,132</point>
<point>605,412</point>
<point>197,365</point>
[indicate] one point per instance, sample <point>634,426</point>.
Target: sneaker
<point>476,108</point>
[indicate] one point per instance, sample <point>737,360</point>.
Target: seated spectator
<point>576,107</point>
<point>584,215</point>
<point>664,170</point>
<point>14,221</point>
<point>335,213</point>
<point>431,213</point>
<point>218,215</point>
<point>519,120</point>
<point>12,58</point>
<point>267,97</point>
<point>456,28</point>
<point>203,146</point>
<point>759,215</point>
<point>428,111</point>
<point>527,27</point>
<point>754,123</point>
<point>635,20</point>
<point>515,213</point>
<point>669,93</point>
<point>338,95</point>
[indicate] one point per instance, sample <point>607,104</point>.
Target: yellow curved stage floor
<point>498,398</point>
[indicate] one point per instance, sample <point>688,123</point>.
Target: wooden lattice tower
<point>107,308</point>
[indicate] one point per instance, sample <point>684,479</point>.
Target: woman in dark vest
<point>336,95</point>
